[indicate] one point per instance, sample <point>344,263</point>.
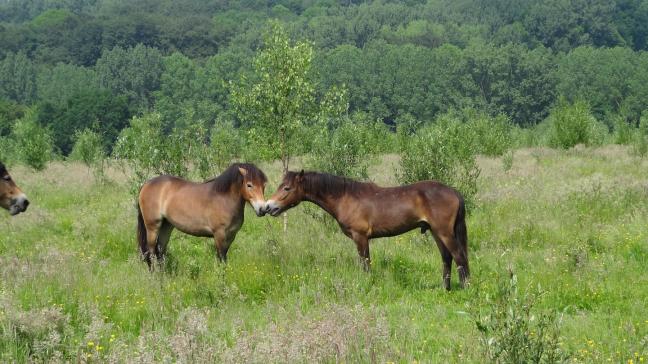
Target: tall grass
<point>73,289</point>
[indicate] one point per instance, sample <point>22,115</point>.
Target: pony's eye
<point>6,178</point>
<point>286,188</point>
<point>249,185</point>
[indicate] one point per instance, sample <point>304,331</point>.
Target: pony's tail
<point>460,231</point>
<point>141,234</point>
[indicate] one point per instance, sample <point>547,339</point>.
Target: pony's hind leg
<point>152,233</point>
<point>446,257</point>
<point>458,254</point>
<point>164,234</point>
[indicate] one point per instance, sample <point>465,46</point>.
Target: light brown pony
<point>210,209</point>
<point>365,211</point>
<point>11,197</point>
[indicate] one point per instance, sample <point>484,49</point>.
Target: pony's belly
<point>192,226</point>
<point>204,233</point>
<point>394,231</point>
<point>393,221</point>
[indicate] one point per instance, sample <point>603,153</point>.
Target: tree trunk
<point>284,164</point>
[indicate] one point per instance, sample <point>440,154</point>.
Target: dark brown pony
<point>365,211</point>
<point>210,209</point>
<point>11,197</point>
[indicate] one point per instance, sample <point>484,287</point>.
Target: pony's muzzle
<point>272,208</point>
<point>259,207</point>
<point>18,205</point>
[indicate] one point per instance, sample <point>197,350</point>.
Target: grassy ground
<point>572,225</point>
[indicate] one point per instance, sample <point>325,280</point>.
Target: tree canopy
<point>395,59</point>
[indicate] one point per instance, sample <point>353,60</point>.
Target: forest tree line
<point>90,64</point>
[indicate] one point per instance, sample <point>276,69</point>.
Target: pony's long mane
<point>232,175</point>
<point>325,184</point>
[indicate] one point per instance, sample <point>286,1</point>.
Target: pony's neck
<point>234,192</point>
<point>326,201</point>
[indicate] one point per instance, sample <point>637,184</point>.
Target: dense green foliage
<point>30,143</point>
<point>277,106</point>
<point>147,152</point>
<point>96,63</point>
<point>574,124</point>
<point>89,149</point>
<point>443,152</point>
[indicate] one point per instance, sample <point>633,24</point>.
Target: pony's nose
<point>22,202</point>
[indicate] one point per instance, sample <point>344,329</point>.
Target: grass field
<point>571,226</point>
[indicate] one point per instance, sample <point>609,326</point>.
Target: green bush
<point>640,140</point>
<point>148,152</point>
<point>226,144</point>
<point>443,152</point>
<point>491,135</point>
<point>186,152</point>
<point>31,142</point>
<point>89,149</point>
<point>513,331</point>
<point>6,150</point>
<point>623,130</point>
<point>348,150</point>
<point>573,124</point>
<point>539,135</point>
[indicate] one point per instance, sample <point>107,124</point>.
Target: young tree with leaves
<point>280,100</point>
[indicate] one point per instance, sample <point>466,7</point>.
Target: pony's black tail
<point>460,231</point>
<point>141,235</point>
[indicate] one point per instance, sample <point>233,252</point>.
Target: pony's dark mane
<point>232,175</point>
<point>324,184</point>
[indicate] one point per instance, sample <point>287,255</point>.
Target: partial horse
<point>210,209</point>
<point>365,211</point>
<point>11,197</point>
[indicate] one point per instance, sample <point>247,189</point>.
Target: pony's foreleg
<point>362,243</point>
<point>222,245</point>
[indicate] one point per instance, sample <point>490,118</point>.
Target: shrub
<point>512,331</point>
<point>148,152</point>
<point>226,144</point>
<point>189,149</point>
<point>539,135</point>
<point>185,152</point>
<point>491,135</point>
<point>622,130</point>
<point>574,124</point>
<point>442,151</point>
<point>89,149</point>
<point>32,142</point>
<point>640,140</point>
<point>6,149</point>
<point>347,150</point>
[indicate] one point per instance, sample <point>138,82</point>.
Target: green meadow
<point>558,248</point>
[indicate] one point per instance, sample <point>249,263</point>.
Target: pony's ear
<point>300,176</point>
<point>243,171</point>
